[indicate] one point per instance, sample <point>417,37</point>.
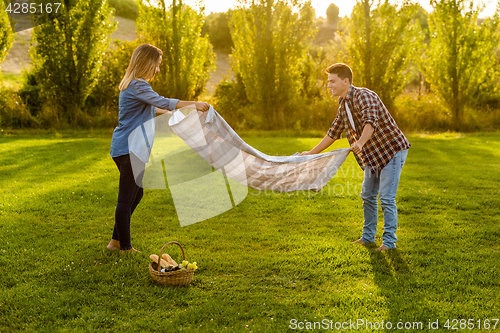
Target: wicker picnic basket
<point>181,277</point>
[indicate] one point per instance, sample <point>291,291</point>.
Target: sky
<point>345,6</point>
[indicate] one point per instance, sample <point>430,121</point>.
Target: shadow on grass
<point>406,304</point>
<point>53,158</point>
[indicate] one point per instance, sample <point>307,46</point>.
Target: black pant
<point>129,195</point>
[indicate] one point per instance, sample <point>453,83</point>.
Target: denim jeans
<point>385,184</point>
<point>129,196</point>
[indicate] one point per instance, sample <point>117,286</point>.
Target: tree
<point>105,97</point>
<point>217,27</point>
<point>271,39</point>
<point>380,44</point>
<point>332,14</point>
<point>459,60</point>
<point>10,17</point>
<point>6,35</point>
<point>422,20</point>
<point>187,55</point>
<point>68,55</point>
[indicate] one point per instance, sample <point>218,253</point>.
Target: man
<point>379,146</point>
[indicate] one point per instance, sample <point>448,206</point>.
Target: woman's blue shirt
<point>137,106</point>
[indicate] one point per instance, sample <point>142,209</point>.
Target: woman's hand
<point>162,111</point>
<point>202,106</point>
<point>305,153</point>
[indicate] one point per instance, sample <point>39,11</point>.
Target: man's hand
<point>202,106</point>
<point>325,143</point>
<point>357,147</point>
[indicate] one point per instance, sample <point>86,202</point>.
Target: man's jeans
<point>385,183</point>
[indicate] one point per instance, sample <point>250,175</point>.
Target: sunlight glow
<point>345,6</point>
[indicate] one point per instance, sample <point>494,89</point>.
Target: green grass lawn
<point>273,259</point>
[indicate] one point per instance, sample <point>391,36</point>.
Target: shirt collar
<point>350,93</point>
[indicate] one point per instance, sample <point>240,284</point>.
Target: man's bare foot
<point>382,248</point>
<point>131,250</point>
<point>359,241</point>
<point>113,245</point>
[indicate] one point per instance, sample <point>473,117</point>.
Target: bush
<point>232,103</point>
<point>484,119</point>
<point>30,93</point>
<point>427,113</point>
<point>13,111</point>
<point>316,115</point>
<point>421,113</point>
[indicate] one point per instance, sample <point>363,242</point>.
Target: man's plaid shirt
<point>367,108</point>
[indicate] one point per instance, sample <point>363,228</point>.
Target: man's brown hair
<point>342,70</point>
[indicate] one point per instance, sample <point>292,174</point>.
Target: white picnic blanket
<point>209,135</point>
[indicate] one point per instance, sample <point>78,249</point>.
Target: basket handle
<point>164,246</point>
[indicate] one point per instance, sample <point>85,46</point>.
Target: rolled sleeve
<point>146,94</point>
<point>335,131</point>
<point>369,109</point>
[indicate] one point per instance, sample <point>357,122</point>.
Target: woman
<point>138,104</point>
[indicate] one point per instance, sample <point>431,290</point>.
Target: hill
<point>17,59</point>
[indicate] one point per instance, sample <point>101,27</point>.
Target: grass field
<point>273,259</point>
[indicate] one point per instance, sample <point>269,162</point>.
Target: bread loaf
<point>163,263</point>
<point>169,260</point>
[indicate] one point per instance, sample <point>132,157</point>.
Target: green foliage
<point>422,18</point>
<point>6,34</point>
<point>187,55</point>
<point>30,93</point>
<point>425,113</point>
<point>104,99</point>
<point>13,111</point>
<point>459,60</point>
<point>230,101</point>
<point>68,56</point>
<point>10,18</point>
<point>381,41</point>
<point>217,27</point>
<point>271,39</point>
<point>332,13</point>
<point>125,8</point>
<point>428,113</point>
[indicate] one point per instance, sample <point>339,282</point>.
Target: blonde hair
<point>142,64</point>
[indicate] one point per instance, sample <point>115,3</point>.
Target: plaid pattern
<point>208,134</point>
<point>367,108</point>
